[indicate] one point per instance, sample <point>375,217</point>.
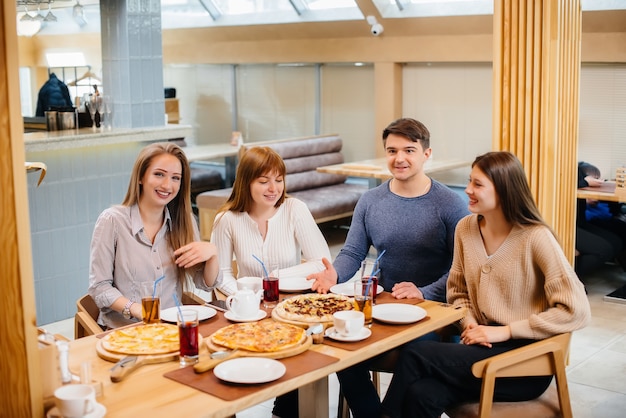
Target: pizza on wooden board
<point>264,336</point>
<point>142,340</point>
<point>313,307</point>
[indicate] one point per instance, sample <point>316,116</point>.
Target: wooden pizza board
<point>107,355</point>
<point>289,352</point>
<point>301,324</point>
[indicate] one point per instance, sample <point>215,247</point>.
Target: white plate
<point>204,312</point>
<point>347,289</point>
<point>294,284</point>
<point>98,412</point>
<point>363,334</point>
<point>398,313</point>
<point>250,370</point>
<point>232,317</point>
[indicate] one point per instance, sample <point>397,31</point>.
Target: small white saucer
<point>363,334</point>
<point>231,316</point>
<point>98,412</point>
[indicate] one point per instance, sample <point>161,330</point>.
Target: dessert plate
<point>204,312</point>
<point>347,289</point>
<point>250,370</point>
<point>363,334</point>
<point>294,284</point>
<point>398,313</point>
<point>232,317</point>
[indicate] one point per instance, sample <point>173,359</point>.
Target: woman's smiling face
<point>161,181</point>
<point>482,193</point>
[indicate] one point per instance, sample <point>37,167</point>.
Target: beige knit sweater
<point>527,283</point>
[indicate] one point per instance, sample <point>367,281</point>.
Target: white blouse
<point>292,235</point>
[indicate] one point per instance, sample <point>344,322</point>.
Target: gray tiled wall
<point>80,183</point>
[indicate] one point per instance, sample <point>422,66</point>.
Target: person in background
<point>600,236</point>
<point>412,218</point>
<point>259,219</point>
<point>510,274</point>
<point>151,234</point>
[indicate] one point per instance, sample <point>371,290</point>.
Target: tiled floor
<point>597,369</point>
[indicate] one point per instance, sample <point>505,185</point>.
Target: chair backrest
<point>86,318</point>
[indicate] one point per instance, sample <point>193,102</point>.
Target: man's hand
<point>325,279</point>
<point>406,290</point>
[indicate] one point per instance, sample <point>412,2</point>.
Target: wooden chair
<point>545,357</point>
<point>86,317</point>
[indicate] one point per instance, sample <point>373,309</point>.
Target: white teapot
<point>244,303</point>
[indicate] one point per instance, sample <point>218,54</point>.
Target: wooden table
<point>605,192</point>
<point>147,391</point>
<point>213,151</point>
<point>376,169</point>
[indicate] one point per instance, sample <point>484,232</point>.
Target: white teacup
<point>348,323</point>
<point>244,304</point>
<point>75,400</point>
<point>253,283</point>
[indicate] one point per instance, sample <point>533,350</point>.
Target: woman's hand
<point>594,182</point>
<point>406,290</point>
<point>485,335</point>
<point>325,279</point>
<point>194,253</point>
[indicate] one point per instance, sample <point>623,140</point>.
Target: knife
<point>124,367</point>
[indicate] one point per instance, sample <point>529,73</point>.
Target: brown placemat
<point>209,383</point>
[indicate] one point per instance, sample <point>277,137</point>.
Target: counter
<point>87,137</point>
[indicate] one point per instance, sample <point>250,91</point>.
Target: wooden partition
<point>19,363</point>
<point>536,90</point>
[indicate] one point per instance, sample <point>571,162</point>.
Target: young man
<point>412,218</point>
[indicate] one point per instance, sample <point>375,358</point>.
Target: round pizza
<point>264,336</point>
<point>312,307</point>
<point>142,339</point>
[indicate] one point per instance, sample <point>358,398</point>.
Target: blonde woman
<point>152,234</point>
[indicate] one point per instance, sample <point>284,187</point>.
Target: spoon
<point>316,328</point>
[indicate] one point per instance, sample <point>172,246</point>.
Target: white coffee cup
<point>75,400</point>
<point>348,323</point>
<point>253,283</point>
<point>244,303</point>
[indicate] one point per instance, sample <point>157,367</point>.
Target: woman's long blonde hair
<point>182,231</point>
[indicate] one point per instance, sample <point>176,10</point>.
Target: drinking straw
<point>262,265</point>
<point>378,259</point>
<point>155,285</point>
<point>180,312</point>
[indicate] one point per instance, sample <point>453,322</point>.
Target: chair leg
<point>561,385</point>
<point>486,396</point>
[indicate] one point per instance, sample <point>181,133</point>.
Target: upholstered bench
<point>328,196</point>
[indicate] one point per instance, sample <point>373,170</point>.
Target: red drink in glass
<point>188,337</point>
<point>365,280</point>
<point>270,291</point>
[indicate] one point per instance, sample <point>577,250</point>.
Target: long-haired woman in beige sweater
<point>511,275</point>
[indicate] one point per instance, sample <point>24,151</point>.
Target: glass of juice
<point>363,301</point>
<point>151,302</point>
<point>187,320</point>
